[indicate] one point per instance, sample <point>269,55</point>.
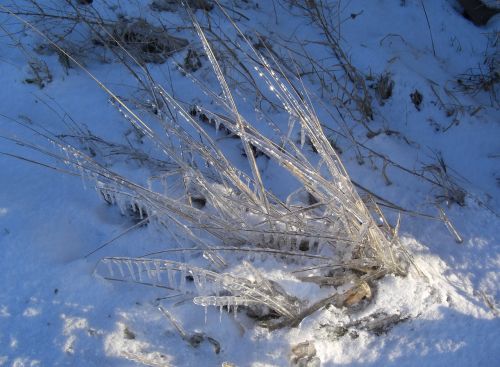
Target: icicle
<point>182,286</point>
<point>262,238</point>
<point>203,281</point>
<point>149,271</point>
<point>139,269</point>
<point>206,312</point>
<point>315,243</point>
<point>298,241</point>
<point>171,278</point>
<point>110,268</point>
<point>121,205</point>
<point>270,241</point>
<point>232,301</point>
<point>197,282</point>
<point>111,198</point>
<point>217,125</point>
<point>220,313</point>
<point>157,270</point>
<point>131,269</point>
<point>119,266</point>
<point>279,240</point>
<point>302,137</point>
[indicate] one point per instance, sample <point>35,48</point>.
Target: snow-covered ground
<point>55,312</point>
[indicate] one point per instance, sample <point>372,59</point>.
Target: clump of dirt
<point>417,98</point>
<point>304,355</point>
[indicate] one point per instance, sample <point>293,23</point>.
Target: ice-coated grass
<point>324,223</point>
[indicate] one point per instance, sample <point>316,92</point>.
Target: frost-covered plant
<point>323,226</point>
<point>485,78</point>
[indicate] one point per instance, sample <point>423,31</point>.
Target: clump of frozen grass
<point>323,228</point>
<point>485,78</point>
<point>147,43</point>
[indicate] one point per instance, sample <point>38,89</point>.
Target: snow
<point>55,312</point>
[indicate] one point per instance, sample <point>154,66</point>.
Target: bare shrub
<point>417,99</point>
